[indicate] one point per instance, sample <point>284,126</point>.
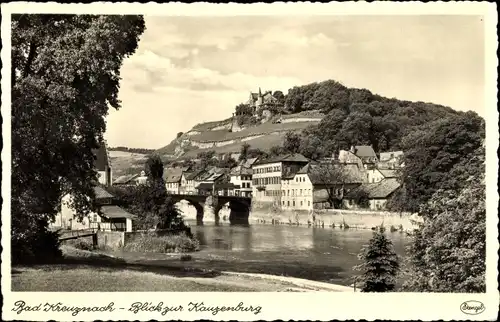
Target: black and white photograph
<point>221,153</point>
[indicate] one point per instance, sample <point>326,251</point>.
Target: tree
<point>332,180</point>
<point>433,150</point>
<point>154,169</point>
<point>280,97</point>
<point>380,264</point>
<point>244,152</point>
<point>207,158</point>
<point>244,109</point>
<point>228,163</point>
<point>65,75</point>
<point>276,150</point>
<point>256,153</point>
<point>448,251</point>
<point>179,134</point>
<point>292,142</point>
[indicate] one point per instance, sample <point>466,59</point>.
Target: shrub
<point>152,242</point>
<point>186,257</point>
<point>393,229</point>
<point>81,243</point>
<point>38,245</point>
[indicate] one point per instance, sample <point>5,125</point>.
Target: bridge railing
<point>77,233</point>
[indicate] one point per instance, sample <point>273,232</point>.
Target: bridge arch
<point>239,206</point>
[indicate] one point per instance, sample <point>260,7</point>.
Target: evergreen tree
<point>380,264</point>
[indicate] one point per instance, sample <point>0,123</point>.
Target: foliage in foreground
<point>65,76</point>
<point>448,252</point>
<point>153,243</point>
<point>380,264</point>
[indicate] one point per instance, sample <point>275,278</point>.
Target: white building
<point>241,177</point>
<point>107,215</point>
<point>268,174</point>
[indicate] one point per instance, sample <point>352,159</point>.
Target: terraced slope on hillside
<point>217,136</point>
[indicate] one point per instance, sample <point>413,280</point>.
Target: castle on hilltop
<point>259,101</point>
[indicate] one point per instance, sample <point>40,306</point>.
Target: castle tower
<point>259,102</point>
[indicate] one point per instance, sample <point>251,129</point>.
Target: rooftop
<point>101,193</point>
<point>333,173</point>
<point>292,157</point>
<point>365,151</point>
<point>125,179</point>
<point>172,175</point>
<point>378,190</point>
<point>110,211</point>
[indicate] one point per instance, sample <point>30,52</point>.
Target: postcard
<point>282,161</point>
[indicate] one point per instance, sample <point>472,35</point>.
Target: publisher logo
<point>472,307</point>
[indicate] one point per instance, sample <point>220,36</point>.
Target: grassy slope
<point>264,128</point>
<point>126,162</point>
<point>85,271</point>
<point>263,143</point>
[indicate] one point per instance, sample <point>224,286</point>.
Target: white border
<point>301,306</point>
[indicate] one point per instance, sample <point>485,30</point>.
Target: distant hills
<point>356,115</point>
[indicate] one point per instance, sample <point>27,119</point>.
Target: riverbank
<point>326,218</point>
<point>81,271</point>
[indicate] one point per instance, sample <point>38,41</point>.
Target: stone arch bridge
<point>239,206</point>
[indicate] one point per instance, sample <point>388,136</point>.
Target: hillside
<point>218,137</point>
<point>332,115</point>
<point>126,162</point>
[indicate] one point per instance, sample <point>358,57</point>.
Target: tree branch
<point>29,61</point>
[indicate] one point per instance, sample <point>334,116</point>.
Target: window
<point>288,203</point>
<point>308,203</point>
<point>294,203</point>
<point>301,192</point>
<point>301,203</point>
<point>288,192</point>
<point>283,203</point>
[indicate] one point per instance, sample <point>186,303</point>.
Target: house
<point>318,185</point>
<point>268,174</point>
<point>102,165</point>
<point>391,160</point>
<point>107,215</point>
<point>126,180</point>
<point>188,182</point>
<point>131,179</point>
<point>216,181</point>
<point>172,178</point>
<point>259,101</point>
<point>363,155</point>
<point>377,193</point>
<point>241,176</point>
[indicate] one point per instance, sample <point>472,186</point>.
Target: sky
<point>189,70</point>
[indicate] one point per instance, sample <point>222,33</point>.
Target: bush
<point>38,245</point>
<point>152,242</point>
<point>81,243</point>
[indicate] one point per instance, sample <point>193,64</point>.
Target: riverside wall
<point>355,219</point>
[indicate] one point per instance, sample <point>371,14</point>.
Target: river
<point>321,254</point>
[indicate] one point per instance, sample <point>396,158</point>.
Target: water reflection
<point>317,253</point>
